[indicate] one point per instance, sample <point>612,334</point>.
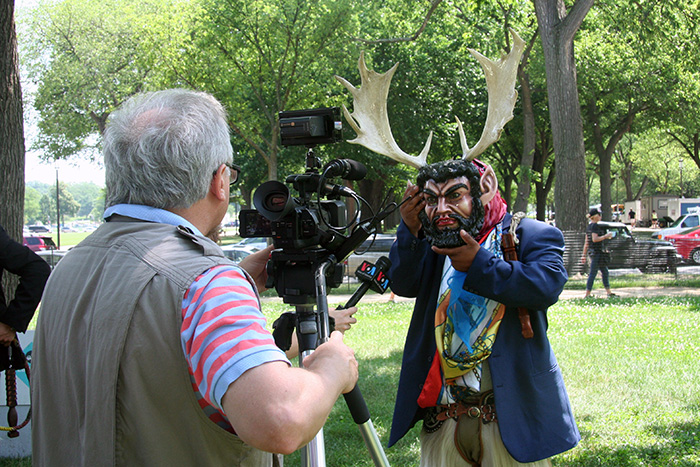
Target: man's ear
<point>488,185</point>
<point>219,188</point>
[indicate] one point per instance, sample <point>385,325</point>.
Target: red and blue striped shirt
<point>223,332</point>
<point>223,335</point>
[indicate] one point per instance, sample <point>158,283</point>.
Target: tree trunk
<point>527,157</point>
<point>557,30</point>
<point>528,153</point>
<point>11,135</point>
<point>372,191</point>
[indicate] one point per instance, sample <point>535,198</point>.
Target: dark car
<point>627,251</point>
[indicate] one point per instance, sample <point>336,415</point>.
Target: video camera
<point>307,230</point>
<point>311,241</point>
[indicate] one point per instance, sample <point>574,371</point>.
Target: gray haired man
<point>150,347</point>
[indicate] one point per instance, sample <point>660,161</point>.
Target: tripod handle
<point>356,404</point>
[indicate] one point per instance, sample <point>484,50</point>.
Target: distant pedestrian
<point>632,215</point>
<point>654,220</point>
<point>595,245</point>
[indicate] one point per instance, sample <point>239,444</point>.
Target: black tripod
<point>312,327</point>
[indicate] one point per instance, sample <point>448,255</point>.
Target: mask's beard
<point>449,238</point>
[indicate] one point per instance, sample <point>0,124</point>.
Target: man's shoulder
<point>535,232</point>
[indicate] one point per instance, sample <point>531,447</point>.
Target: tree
<point>11,128</point>
<point>260,58</point>
<point>628,72</point>
<point>557,30</point>
<point>32,210</point>
<point>87,57</point>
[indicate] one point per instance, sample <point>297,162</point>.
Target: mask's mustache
<point>454,217</point>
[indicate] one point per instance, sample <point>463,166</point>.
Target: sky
<point>73,171</point>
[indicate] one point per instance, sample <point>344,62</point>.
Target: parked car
<point>38,229</point>
<point>370,250</point>
<point>627,251</point>
<point>52,256</point>
<point>687,244</point>
<point>258,243</point>
<point>682,223</point>
<point>39,242</point>
<point>237,252</point>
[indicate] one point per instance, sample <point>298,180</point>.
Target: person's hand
<point>411,208</point>
<point>7,335</point>
<point>462,256</point>
<point>336,360</point>
<point>343,318</point>
<point>256,265</point>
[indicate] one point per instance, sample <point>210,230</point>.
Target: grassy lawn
<point>630,366</point>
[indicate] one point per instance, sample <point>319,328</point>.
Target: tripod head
<point>372,276</point>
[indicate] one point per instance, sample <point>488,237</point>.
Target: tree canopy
<point>634,68</point>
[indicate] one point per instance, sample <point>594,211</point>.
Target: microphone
<point>330,189</point>
<point>346,169</point>
<point>373,276</point>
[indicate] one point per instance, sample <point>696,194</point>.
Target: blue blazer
<point>534,414</point>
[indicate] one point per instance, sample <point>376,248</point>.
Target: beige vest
<point>110,384</point>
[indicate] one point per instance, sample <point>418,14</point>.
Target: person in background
<point>654,220</point>
<point>595,248</point>
<point>632,216</point>
<point>33,273</point>
<point>151,348</point>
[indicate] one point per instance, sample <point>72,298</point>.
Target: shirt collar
<point>150,214</point>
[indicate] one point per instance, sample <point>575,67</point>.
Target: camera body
<point>306,229</point>
<point>293,223</point>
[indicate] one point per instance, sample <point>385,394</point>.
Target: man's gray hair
<point>161,148</point>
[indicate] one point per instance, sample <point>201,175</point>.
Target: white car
<point>682,223</point>
<point>236,252</point>
<point>370,250</point>
<point>258,243</point>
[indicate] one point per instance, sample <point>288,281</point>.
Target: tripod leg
<point>314,453</point>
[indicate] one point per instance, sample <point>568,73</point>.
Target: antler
<point>500,82</point>
<point>370,118</point>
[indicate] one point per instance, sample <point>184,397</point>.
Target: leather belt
<point>483,408</point>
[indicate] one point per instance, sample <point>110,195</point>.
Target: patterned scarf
<point>466,325</point>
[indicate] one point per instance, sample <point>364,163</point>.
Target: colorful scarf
<point>466,325</point>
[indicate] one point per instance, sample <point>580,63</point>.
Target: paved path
<point>625,292</point>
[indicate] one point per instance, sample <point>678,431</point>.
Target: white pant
<point>438,449</point>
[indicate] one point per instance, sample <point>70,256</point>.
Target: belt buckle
<point>473,412</point>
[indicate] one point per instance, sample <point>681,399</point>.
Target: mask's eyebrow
<point>456,187</point>
<point>429,192</point>
<point>451,189</point>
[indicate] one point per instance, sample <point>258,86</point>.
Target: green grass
<point>630,365</point>
<point>632,374</point>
